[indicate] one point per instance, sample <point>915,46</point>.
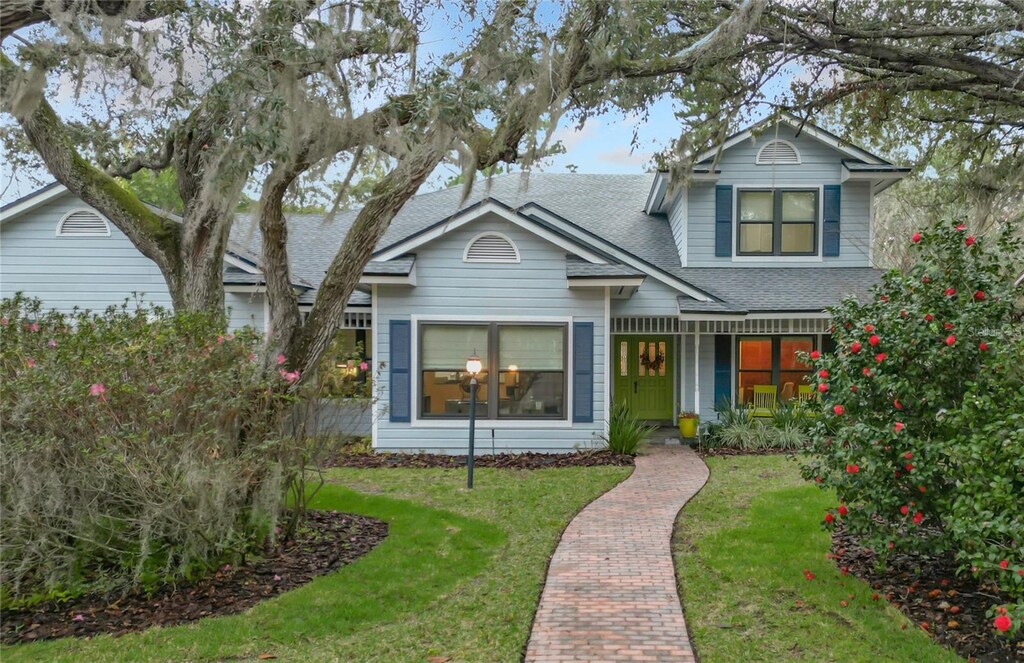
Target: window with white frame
<point>777,222</point>
<point>524,372</point>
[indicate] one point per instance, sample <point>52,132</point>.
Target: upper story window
<point>491,247</point>
<point>778,153</point>
<point>83,223</point>
<point>779,222</point>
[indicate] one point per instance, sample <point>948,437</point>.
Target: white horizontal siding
<point>654,298</point>
<point>820,165</point>
<point>244,310</point>
<point>448,287</point>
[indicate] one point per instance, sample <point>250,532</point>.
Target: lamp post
<point>473,367</point>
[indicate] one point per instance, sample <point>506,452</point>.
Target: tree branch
<point>17,14</point>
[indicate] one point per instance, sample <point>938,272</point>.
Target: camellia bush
<point>139,447</point>
<point>922,430</point>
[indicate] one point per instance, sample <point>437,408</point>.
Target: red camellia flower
<point>896,404</point>
<point>950,340</point>
<point>866,371</point>
<point>898,426</point>
<point>874,340</point>
<point>855,347</point>
<point>880,357</point>
<point>909,467</point>
<point>853,388</point>
<point>843,511</point>
<point>869,328</point>
<point>908,455</point>
<point>808,575</point>
<point>916,238</point>
<point>829,518</point>
<point>918,517</point>
<point>883,298</point>
<point>838,409</point>
<point>823,387</point>
<point>979,295</point>
<point>1003,564</point>
<point>815,355</point>
<point>969,240</point>
<point>947,325</point>
<point>823,373</point>
<point>922,489</point>
<point>961,227</point>
<point>852,468</point>
<point>950,292</point>
<point>904,509</point>
<point>926,279</point>
<point>1003,623</point>
<point>983,346</point>
<point>929,317</point>
<point>903,313</point>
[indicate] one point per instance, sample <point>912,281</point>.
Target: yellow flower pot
<point>688,425</point>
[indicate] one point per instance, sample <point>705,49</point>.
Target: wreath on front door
<point>653,363</point>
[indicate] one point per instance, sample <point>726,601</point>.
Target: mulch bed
<point>950,608</point>
<point>523,461</point>
<point>327,541</point>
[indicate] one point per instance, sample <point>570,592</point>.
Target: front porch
<point>661,366</point>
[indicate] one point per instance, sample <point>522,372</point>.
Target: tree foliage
<point>922,437</point>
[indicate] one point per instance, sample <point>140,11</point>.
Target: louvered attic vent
<point>83,223</point>
<point>491,247</point>
<point>779,153</point>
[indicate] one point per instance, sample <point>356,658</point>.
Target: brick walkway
<point>611,592</point>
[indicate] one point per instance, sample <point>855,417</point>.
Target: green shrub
<point>738,429</point>
<point>139,446</point>
<point>626,431</point>
<point>922,435</point>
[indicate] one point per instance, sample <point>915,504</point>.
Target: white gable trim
<point>806,127</point>
<point>240,264</point>
<point>33,201</point>
<point>474,213</point>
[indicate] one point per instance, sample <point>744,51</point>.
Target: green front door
<point>643,375</point>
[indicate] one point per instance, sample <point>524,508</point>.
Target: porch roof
<point>742,290</point>
<point>577,268</point>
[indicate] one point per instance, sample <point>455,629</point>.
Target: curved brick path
<point>611,592</point>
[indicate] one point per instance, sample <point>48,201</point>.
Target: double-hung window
<point>777,222</point>
<point>524,370</point>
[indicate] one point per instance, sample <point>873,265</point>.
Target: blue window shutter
<point>583,372</point>
<point>830,225</point>
<point>723,370</point>
<point>723,220</point>
<point>400,345</point>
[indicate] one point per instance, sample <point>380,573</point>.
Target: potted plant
<point>688,422</point>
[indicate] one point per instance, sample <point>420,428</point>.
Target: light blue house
<point>576,291</point>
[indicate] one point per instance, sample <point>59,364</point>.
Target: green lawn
<point>741,547</point>
<point>459,575</point>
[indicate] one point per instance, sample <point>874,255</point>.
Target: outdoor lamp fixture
<point>473,367</point>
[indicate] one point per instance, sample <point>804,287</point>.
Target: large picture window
<point>523,376</point>
<point>772,360</point>
<point>779,222</point>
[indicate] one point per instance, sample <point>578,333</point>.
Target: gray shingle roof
<point>763,289</point>
<point>236,276</point>
<point>400,266</point>
<point>581,269</point>
<point>688,305</point>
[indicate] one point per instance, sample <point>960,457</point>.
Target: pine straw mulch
<point>950,608</point>
<point>508,461</point>
<point>327,541</point>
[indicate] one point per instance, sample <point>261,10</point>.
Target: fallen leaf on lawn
<point>438,659</point>
<point>266,657</point>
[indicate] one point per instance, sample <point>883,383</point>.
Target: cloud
<point>622,156</point>
<point>571,137</point>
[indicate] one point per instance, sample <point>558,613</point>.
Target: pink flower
<point>898,426</point>
<point>291,377</point>
<point>32,327</point>
<point>838,409</point>
<point>961,227</point>
<point>815,355</point>
<point>31,362</point>
<point>280,359</point>
<point>277,578</point>
<point>252,357</point>
<point>852,468</point>
<point>52,343</point>
<point>1003,623</point>
<point>230,337</point>
<point>950,340</point>
<point>969,241</point>
<point>880,357</point>
<point>1004,564</point>
<point>220,339</point>
<point>78,618</point>
<point>97,389</point>
<point>4,321</point>
<point>823,387</point>
<point>855,347</point>
<point>918,517</point>
<point>363,366</point>
<point>874,340</point>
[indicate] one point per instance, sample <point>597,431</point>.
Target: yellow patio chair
<point>765,396</point>
<point>805,392</point>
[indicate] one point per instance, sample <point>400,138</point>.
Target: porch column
<point>696,369</point>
